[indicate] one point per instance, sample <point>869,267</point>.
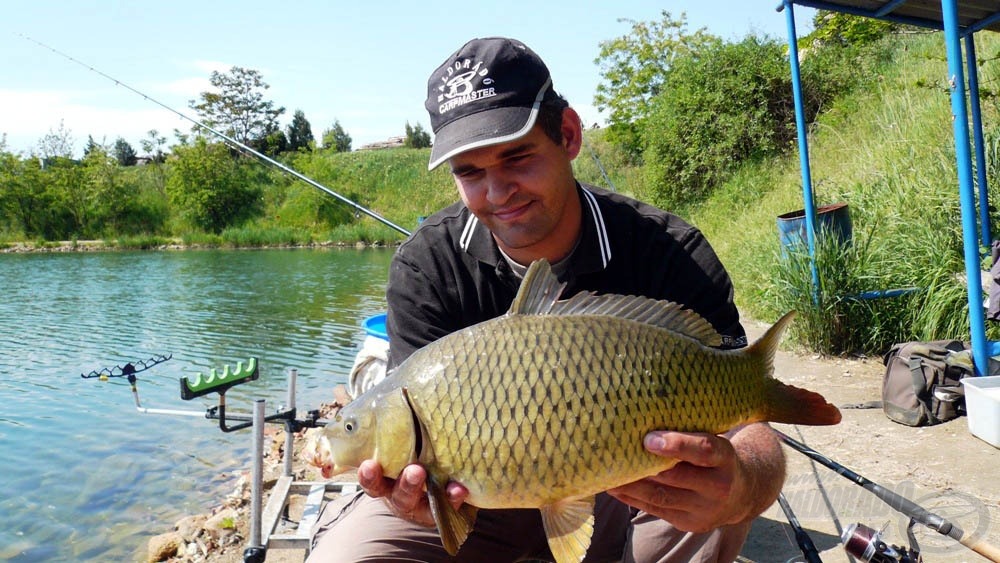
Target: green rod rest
<point>218,383</point>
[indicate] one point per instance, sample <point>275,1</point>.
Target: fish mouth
<point>319,454</point>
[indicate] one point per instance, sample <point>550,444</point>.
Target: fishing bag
<point>922,384</point>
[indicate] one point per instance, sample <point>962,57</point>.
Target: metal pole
<point>257,482</point>
<point>809,206</point>
<point>960,125</point>
<point>985,229</point>
<point>289,436</point>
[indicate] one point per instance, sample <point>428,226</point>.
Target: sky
<point>362,63</point>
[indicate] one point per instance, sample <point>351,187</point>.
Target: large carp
<point>547,405</point>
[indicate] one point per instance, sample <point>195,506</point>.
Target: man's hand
<point>715,482</point>
<point>406,496</point>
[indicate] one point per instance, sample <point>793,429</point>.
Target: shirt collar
<point>592,254</point>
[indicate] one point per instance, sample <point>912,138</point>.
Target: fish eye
<point>350,425</point>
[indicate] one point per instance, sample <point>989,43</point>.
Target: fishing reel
<point>866,544</point>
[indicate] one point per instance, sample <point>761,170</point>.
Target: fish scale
<point>547,419</point>
<point>548,405</point>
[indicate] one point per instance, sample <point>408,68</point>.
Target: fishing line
<point>228,139</point>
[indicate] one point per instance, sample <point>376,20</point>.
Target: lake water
<point>83,475</point>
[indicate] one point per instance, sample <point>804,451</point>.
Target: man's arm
<point>719,480</point>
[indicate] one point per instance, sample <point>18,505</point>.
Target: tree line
<point>199,183</point>
<point>684,107</point>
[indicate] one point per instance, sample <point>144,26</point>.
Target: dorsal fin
<point>539,291</point>
<point>539,295</point>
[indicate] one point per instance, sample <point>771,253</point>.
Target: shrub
<point>727,105</point>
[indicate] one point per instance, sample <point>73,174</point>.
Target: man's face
<point>524,192</point>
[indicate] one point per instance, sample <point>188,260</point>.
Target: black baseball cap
<point>486,93</point>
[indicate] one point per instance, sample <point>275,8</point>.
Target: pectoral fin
<point>453,525</point>
<point>569,524</point>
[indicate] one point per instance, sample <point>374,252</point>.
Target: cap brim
<point>488,127</point>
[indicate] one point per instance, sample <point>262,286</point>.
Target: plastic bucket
<point>375,326</point>
<point>834,219</point>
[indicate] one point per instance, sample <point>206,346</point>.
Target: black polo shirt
<point>450,274</point>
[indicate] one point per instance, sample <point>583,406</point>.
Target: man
<point>509,140</point>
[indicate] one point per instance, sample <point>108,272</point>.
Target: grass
<point>888,152</point>
<point>140,242</point>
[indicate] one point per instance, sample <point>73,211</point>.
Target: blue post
<point>960,124</point>
<point>809,206</point>
<point>985,228</point>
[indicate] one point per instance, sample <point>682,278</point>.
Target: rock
<point>222,524</point>
<point>190,527</point>
<point>164,546</point>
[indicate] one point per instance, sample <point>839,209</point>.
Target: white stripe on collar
<point>602,231</point>
<point>467,232</point>
<point>595,211</point>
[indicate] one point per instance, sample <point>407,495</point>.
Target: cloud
<point>28,115</point>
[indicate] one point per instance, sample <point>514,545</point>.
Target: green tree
<point>273,143</point>
<point>153,145</point>
<point>124,153</point>
<point>91,146</point>
<point>210,188</point>
<point>68,197</point>
<point>238,106</point>
<point>336,138</point>
<point>730,103</point>
<point>634,68</point>
<point>55,144</point>
<point>300,134</point>
<point>837,28</point>
<point>416,137</point>
<point>24,200</point>
<point>104,194</point>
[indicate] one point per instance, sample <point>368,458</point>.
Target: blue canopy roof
<point>973,15</point>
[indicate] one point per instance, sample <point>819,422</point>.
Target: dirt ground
<point>943,468</point>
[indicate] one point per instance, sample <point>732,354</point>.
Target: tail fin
<point>794,405</point>
<point>786,403</point>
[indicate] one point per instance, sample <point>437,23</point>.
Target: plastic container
<point>835,219</point>
<point>375,326</point>
<point>982,401</point>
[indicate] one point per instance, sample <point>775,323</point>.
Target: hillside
<point>888,153</point>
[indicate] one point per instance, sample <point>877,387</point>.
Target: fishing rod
<point>899,503</point>
<point>806,545</point>
<point>230,140</point>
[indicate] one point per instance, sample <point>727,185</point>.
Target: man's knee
<point>361,528</point>
<point>654,540</point>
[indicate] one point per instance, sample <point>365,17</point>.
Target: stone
<point>222,524</point>
<point>164,546</point>
<point>190,527</point>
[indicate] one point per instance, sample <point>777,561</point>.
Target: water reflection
<point>85,475</point>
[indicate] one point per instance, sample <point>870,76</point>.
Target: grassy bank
<point>889,153</point>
